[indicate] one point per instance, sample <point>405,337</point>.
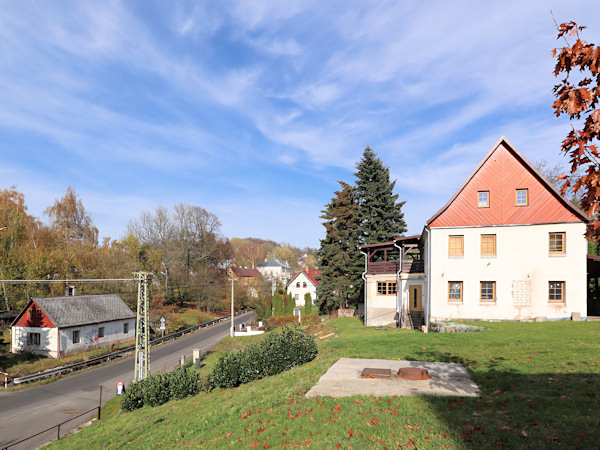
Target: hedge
<point>162,387</point>
<point>274,354</point>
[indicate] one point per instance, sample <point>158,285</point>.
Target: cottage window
<point>556,292</point>
<point>456,245</point>
<point>522,197</point>
<point>487,291</point>
<point>455,291</point>
<point>125,328</point>
<point>101,332</point>
<point>304,284</point>
<point>35,313</point>
<point>483,199</point>
<point>298,284</point>
<point>33,338</point>
<point>557,243</point>
<point>75,336</point>
<point>488,245</point>
<point>386,288</point>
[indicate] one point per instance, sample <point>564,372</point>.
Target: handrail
<point>107,357</point>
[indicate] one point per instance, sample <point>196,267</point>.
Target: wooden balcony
<point>408,266</point>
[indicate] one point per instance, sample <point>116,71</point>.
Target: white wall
<point>113,331</point>
<point>301,291</point>
<point>48,340</point>
<point>521,269</point>
<point>381,309</point>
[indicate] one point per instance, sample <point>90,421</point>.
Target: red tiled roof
<point>241,272</point>
<point>311,274</point>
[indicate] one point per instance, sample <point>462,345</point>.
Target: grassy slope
<point>539,384</point>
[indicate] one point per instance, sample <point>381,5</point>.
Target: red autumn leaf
<point>374,420</point>
<point>227,435</point>
<point>504,428</point>
<point>254,444</point>
<point>245,415</point>
<point>524,434</point>
<point>358,402</point>
<point>266,445</point>
<point>350,433</point>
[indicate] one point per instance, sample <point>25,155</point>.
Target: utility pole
<point>142,328</point>
<point>232,331</point>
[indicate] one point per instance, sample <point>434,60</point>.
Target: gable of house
<point>305,276</point>
<point>33,316</point>
<point>503,171</point>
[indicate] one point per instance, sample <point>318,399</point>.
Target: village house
<point>58,326</point>
<point>506,246</point>
<point>275,270</point>
<point>302,283</point>
<point>251,279</point>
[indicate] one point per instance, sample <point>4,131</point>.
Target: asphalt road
<point>28,411</point>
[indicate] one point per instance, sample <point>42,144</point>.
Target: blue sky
<point>254,109</point>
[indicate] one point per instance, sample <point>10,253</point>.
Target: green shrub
<point>184,382</point>
<point>276,353</point>
<point>162,387</point>
<point>132,398</point>
<point>156,390</point>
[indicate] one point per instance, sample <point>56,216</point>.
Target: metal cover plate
<point>370,372</point>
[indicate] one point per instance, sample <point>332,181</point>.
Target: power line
<point>84,280</point>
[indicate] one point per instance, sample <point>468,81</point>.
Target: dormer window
<point>483,199</point>
<point>522,197</point>
<point>304,284</point>
<point>298,284</point>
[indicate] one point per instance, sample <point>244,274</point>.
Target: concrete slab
<point>343,380</point>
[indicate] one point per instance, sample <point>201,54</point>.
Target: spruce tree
<point>307,304</point>
<point>277,304</point>
<point>340,283</point>
<point>290,304</point>
<point>379,212</point>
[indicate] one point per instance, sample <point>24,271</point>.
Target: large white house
<point>506,246</point>
<point>275,270</point>
<point>55,326</point>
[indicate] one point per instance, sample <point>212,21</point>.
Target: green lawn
<point>539,388</point>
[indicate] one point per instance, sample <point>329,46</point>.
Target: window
<point>487,291</point>
<point>557,243</point>
<point>386,288</point>
<point>297,297</point>
<point>483,199</point>
<point>298,284</point>
<point>455,290</point>
<point>304,284</point>
<point>33,338</point>
<point>75,336</point>
<point>456,246</point>
<point>488,245</point>
<point>522,197</point>
<point>392,288</point>
<point>125,328</point>
<point>101,332</point>
<point>556,292</point>
<point>35,313</point>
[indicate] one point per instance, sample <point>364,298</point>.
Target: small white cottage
<point>55,326</point>
<point>303,283</point>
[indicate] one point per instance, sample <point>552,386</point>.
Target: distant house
<point>252,279</point>
<point>275,270</point>
<point>56,326</point>
<point>506,246</point>
<point>302,283</point>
